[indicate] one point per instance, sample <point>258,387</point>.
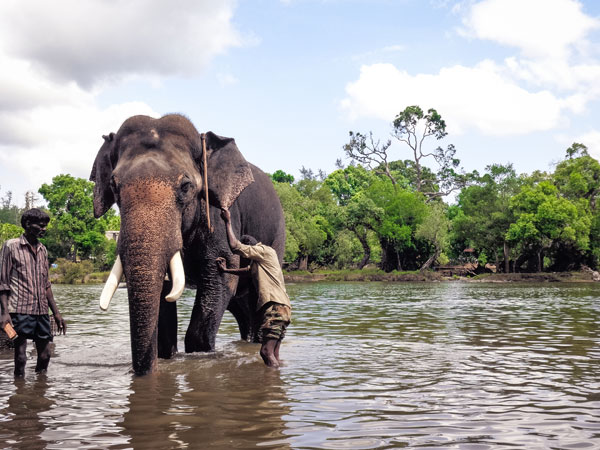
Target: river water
<point>366,365</point>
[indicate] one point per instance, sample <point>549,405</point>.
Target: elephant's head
<point>153,170</point>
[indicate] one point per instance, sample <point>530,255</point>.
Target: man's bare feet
<point>267,353</point>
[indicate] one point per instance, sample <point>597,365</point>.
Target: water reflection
<point>208,402</point>
<point>22,427</point>
<point>377,365</point>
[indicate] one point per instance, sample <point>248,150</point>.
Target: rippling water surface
<point>377,365</point>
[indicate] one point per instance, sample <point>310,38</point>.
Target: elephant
<point>170,183</point>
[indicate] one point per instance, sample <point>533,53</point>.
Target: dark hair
<point>248,240</point>
<point>34,215</point>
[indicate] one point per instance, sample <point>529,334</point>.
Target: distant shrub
<point>69,272</point>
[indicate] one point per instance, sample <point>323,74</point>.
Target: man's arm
<point>4,315</point>
<point>222,265</point>
<point>5,269</point>
<point>233,241</point>
<point>60,323</point>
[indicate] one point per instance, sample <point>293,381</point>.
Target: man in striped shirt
<point>25,292</point>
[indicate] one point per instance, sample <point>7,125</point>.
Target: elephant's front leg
<point>167,325</point>
<point>212,299</point>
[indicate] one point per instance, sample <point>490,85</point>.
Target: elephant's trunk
<point>150,236</point>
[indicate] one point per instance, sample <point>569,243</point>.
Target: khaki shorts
<point>275,320</point>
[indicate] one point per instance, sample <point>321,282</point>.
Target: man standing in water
<point>26,293</point>
<point>273,303</point>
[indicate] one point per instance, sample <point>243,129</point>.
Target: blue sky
<point>515,80</point>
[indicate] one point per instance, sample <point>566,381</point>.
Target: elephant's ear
<point>228,172</point>
<point>104,197</point>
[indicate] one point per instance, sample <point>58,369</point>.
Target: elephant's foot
<point>195,343</point>
<point>267,352</point>
<point>166,351</point>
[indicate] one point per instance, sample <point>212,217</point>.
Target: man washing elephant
<point>273,305</point>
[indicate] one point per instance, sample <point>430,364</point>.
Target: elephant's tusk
<point>177,276</point>
<point>111,284</point>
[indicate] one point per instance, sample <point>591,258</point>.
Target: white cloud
<point>551,74</point>
<point>57,57</point>
<point>591,140</point>
<point>466,97</point>
<point>550,36</point>
<point>64,139</point>
<point>539,28</point>
<point>96,40</point>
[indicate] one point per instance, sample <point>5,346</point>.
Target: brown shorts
<point>275,320</point>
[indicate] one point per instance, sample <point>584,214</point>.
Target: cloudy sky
<point>516,80</point>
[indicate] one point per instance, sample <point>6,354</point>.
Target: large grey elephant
<point>154,170</point>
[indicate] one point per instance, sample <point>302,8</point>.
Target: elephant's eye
<point>186,186</point>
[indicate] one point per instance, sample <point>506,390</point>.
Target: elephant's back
<point>261,213</point>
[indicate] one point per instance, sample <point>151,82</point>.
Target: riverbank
<point>372,274</point>
<point>432,276</point>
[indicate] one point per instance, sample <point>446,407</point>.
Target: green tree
<point>402,211</point>
<point>543,219</point>
<point>73,231</point>
<point>434,229</point>
<point>306,229</point>
<point>483,215</point>
<point>578,176</point>
<point>280,176</point>
<point>9,213</point>
<point>346,183</point>
<point>413,127</point>
<point>9,231</point>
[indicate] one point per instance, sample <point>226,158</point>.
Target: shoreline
<point>432,276</point>
<point>375,275</point>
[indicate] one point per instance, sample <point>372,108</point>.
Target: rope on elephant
<point>203,137</point>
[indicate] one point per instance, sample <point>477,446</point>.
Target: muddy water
<point>446,365</point>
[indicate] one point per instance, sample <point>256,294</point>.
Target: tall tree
<point>413,127</point>
<point>543,219</point>
<point>434,229</point>
<point>484,215</point>
<point>578,176</point>
<point>73,231</point>
<point>402,211</point>
<point>358,212</point>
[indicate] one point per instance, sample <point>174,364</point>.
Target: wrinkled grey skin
<point>152,169</point>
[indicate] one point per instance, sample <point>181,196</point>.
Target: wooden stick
<point>203,136</point>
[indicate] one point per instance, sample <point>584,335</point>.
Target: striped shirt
<point>25,276</point>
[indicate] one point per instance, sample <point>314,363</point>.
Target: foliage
<point>9,231</point>
<point>483,216</point>
<point>73,231</point>
<point>383,211</point>
<point>70,272</point>
<point>434,229</point>
<point>543,218</point>
<point>306,229</point>
<point>280,176</point>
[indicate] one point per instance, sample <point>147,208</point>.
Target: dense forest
<point>390,213</point>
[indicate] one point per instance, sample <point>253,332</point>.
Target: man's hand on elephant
<point>60,324</point>
<point>221,263</point>
<point>225,214</point>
